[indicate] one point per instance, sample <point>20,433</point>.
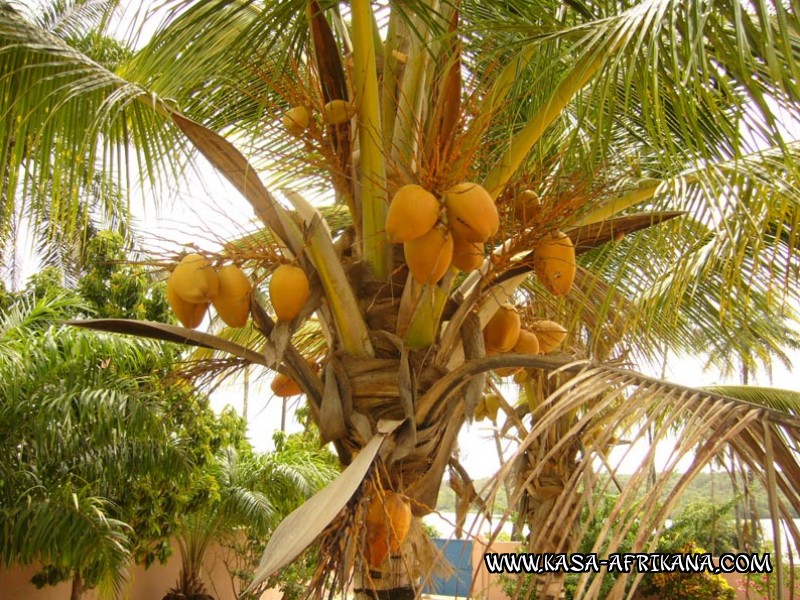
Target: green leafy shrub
<point>687,586</point>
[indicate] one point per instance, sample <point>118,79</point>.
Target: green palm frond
<point>787,401</point>
<point>65,529</point>
<point>92,123</point>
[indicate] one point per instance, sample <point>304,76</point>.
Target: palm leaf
<point>787,401</point>
<point>711,426</point>
<point>303,526</point>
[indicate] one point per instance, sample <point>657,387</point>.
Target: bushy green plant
<point>308,466</point>
<point>100,450</point>
<point>705,524</point>
<point>687,586</point>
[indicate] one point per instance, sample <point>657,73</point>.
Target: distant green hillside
<point>704,487</point>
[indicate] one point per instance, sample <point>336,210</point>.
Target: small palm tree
<point>250,494</point>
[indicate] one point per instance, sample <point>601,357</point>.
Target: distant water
<point>445,524</point>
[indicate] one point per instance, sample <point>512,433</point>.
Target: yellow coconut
<point>190,315</point>
<point>550,335</point>
<point>487,407</point>
<point>480,410</point>
<point>412,213</point>
<point>526,205</point>
<point>288,291</point>
<point>194,279</point>
<point>554,263</point>
<point>233,301</point>
<point>296,119</point>
<point>527,343</point>
<point>467,256</point>
<point>492,406</point>
<point>337,112</point>
<point>471,212</point>
<point>284,386</point>
<point>502,330</point>
<point>429,256</point>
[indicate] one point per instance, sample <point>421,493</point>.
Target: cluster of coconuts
<point>431,243</point>
<point>504,334</point>
<point>194,284</point>
<point>388,521</point>
<point>336,112</point>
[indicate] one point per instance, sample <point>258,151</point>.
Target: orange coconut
<point>502,330</point>
<point>388,521</point>
<point>412,213</point>
<point>194,279</point>
<point>554,263</point>
<point>550,335</point>
<point>377,548</point>
<point>284,386</point>
<point>288,291</point>
<point>467,256</point>
<point>429,256</point>
<point>189,314</point>
<point>471,212</point>
<point>527,343</point>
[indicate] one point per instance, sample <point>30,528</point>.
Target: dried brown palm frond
<point>580,421</point>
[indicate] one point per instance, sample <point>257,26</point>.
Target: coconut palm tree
<point>655,136</point>
<point>60,224</point>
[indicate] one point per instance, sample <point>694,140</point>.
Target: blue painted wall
<point>459,554</point>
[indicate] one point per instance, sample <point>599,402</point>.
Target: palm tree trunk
<point>77,587</point>
<point>391,582</point>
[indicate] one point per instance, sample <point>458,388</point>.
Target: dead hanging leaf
<point>425,491</point>
<point>306,523</point>
<point>171,333</point>
<point>406,437</point>
<point>234,166</point>
<point>261,318</point>
<point>331,422</point>
<point>280,338</point>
